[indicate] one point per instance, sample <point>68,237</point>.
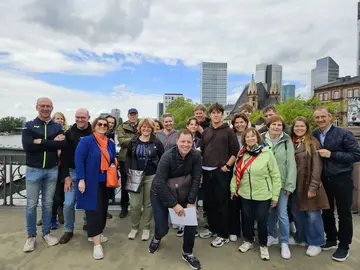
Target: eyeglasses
<point>102,124</point>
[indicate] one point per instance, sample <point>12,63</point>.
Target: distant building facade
<point>269,74</point>
<point>116,113</point>
<point>168,98</point>
<point>23,119</point>
<point>326,71</point>
<point>287,91</point>
<point>160,109</point>
<point>213,83</point>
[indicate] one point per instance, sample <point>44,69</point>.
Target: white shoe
<point>292,228</point>
<point>313,251</point>
<point>292,242</point>
<point>98,252</point>
<point>272,241</point>
<point>219,242</point>
<point>246,246</point>
<point>103,239</point>
<point>255,225</point>
<point>285,251</point>
<point>174,226</point>
<point>51,240</point>
<point>233,237</point>
<point>145,235</point>
<point>30,244</point>
<point>264,253</point>
<point>207,234</point>
<point>133,233</point>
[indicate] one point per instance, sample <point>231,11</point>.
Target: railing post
<point>11,182</point>
<point>5,168</point>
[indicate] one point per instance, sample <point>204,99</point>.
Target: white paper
<point>190,218</point>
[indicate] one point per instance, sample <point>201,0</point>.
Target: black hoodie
<point>73,136</point>
<point>218,145</point>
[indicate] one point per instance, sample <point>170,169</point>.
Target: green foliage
<point>10,124</point>
<point>119,121</point>
<point>181,110</point>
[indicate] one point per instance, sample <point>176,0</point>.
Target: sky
<point>127,53</point>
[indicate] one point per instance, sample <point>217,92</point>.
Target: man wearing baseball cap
<point>125,133</point>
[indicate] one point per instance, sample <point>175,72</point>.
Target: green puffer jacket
<point>261,180</point>
<point>285,158</point>
<point>125,133</point>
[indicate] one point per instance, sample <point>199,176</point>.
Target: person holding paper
<point>181,164</point>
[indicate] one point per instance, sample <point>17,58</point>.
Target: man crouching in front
<point>180,165</point>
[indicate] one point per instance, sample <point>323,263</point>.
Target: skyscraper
<point>260,75</point>
<point>287,91</point>
<point>326,70</point>
<point>313,81</point>
<point>358,45</point>
<point>160,109</point>
<point>213,83</point>
<point>116,113</point>
<point>168,98</point>
<point>268,75</point>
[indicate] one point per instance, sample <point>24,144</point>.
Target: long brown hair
<point>307,136</point>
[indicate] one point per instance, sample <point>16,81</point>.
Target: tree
<point>10,124</point>
<point>181,110</point>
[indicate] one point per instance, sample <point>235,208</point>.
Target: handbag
<point>180,187</point>
<point>135,179</point>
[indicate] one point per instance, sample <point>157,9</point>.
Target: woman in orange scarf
<point>93,157</point>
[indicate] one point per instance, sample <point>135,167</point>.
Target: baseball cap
<point>132,110</point>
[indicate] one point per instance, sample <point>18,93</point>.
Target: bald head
<point>82,111</point>
<point>82,118</point>
<point>44,106</point>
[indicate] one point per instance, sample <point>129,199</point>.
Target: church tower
<point>253,96</point>
<point>275,91</point>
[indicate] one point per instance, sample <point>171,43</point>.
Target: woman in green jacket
<point>257,181</point>
<point>282,147</point>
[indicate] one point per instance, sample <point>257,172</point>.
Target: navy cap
<point>132,110</point>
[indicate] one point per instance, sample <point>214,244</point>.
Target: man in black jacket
<point>178,161</point>
<point>268,112</point>
<point>73,135</point>
<point>41,139</point>
<point>339,151</point>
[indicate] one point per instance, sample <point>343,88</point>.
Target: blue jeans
<point>309,224</point>
<point>69,205</point>
<point>279,213</point>
<point>44,180</point>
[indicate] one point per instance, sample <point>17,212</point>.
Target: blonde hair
<point>147,121</point>
<point>63,117</point>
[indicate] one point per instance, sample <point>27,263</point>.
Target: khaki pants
<point>142,199</point>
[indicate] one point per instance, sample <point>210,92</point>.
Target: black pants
<point>161,215</point>
<point>339,190</point>
<point>124,202</point>
<point>234,216</point>
<point>258,210</point>
<point>96,219</point>
<point>216,201</point>
<point>59,198</point>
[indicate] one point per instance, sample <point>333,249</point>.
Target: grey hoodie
<point>169,141</point>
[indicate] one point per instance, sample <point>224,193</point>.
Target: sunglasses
<point>102,124</point>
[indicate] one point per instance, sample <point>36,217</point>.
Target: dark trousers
<point>339,190</point>
<point>161,215</point>
<point>258,210</point>
<point>124,202</point>
<point>59,198</point>
<point>96,219</point>
<point>234,216</point>
<point>216,201</point>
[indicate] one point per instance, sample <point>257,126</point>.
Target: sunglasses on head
<point>102,124</point>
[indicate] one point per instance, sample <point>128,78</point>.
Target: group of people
<point>246,177</point>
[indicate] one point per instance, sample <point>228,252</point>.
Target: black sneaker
<point>124,212</point>
<point>154,245</point>
<point>192,261</point>
<point>180,231</point>
<point>329,245</point>
<point>340,255</point>
<point>108,215</point>
<point>85,227</point>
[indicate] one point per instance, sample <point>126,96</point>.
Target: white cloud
<point>18,95</point>
<point>235,94</point>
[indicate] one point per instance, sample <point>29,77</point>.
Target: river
<point>11,141</point>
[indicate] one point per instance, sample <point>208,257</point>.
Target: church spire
<point>252,90</point>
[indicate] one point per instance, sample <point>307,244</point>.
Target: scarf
<point>105,156</point>
<point>298,142</point>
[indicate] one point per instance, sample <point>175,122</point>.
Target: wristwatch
<point>227,166</point>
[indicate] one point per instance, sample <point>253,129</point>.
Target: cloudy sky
<point>128,53</point>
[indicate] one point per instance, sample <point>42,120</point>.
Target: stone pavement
<point>123,254</point>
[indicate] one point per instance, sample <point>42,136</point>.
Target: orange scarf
<point>105,157</point>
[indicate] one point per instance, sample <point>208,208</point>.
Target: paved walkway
<point>121,253</point>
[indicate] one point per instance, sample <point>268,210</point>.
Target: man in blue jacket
<point>41,138</point>
<point>339,151</point>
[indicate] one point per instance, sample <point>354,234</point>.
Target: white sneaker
<point>174,226</point>
<point>292,242</point>
<point>285,251</point>
<point>98,252</point>
<point>292,227</point>
<point>207,234</point>
<point>264,253</point>
<point>103,239</point>
<point>145,235</point>
<point>219,242</point>
<point>272,241</point>
<point>255,225</point>
<point>233,237</point>
<point>133,233</point>
<point>30,244</point>
<point>246,246</point>
<point>51,240</point>
<point>313,251</point>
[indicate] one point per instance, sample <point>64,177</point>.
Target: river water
<point>11,141</point>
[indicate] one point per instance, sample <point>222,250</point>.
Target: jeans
<point>124,201</point>
<point>69,204</point>
<point>234,216</point>
<point>279,213</point>
<point>139,200</point>
<point>339,188</point>
<point>44,180</point>
<point>161,215</point>
<point>309,224</point>
<point>255,210</point>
